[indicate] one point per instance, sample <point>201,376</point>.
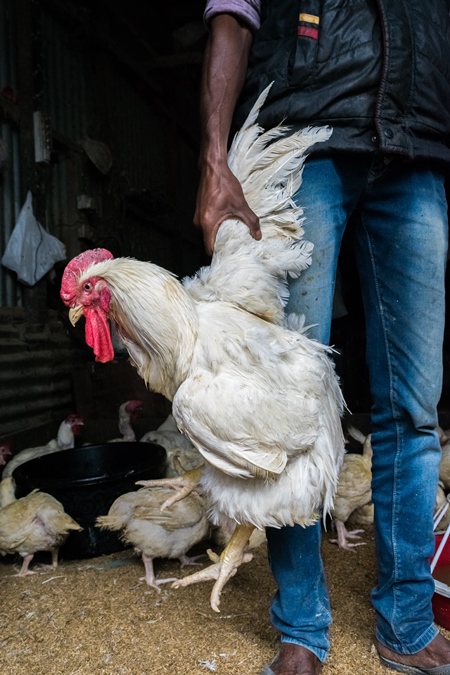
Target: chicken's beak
<point>75,313</point>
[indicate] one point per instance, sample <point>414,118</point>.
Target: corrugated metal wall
<point>143,140</point>
<point>35,375</point>
<point>150,158</point>
<point>160,175</point>
<point>10,292</point>
<point>145,204</point>
<point>64,79</point>
<point>64,94</point>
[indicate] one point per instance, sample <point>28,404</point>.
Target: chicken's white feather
<point>269,178</point>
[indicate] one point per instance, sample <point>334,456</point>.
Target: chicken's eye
<point>87,286</point>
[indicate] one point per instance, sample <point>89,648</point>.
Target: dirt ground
<point>94,616</point>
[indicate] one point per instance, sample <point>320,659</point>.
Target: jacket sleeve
<point>246,10</point>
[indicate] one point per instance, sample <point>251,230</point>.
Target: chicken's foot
<point>183,485</point>
<point>150,575</point>
<point>225,566</point>
<point>54,563</point>
<point>344,535</point>
<point>24,571</point>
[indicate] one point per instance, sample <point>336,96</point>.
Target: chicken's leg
<point>150,574</point>
<point>55,552</point>
<point>24,571</point>
<point>344,535</point>
<point>225,566</point>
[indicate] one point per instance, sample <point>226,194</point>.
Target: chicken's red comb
<point>77,265</point>
<point>74,418</point>
<point>83,260</point>
<point>132,405</point>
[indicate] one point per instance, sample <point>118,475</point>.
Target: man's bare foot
<point>293,659</point>
<point>437,653</point>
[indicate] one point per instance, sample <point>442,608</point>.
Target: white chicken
<point>354,490</point>
<point>181,455</point>
<point>128,413</point>
<point>171,533</point>
<point>256,396</point>
<point>33,523</point>
<point>65,440</point>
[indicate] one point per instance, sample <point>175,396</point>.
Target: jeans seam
<point>394,416</point>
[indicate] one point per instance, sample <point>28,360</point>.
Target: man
<point>377,71</point>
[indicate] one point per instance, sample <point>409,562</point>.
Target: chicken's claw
<point>224,566</point>
<point>157,582</point>
<point>183,485</point>
<point>222,570</point>
<point>213,556</point>
<point>182,488</point>
<point>344,535</point>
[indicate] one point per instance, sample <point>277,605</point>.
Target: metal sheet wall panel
<point>153,155</point>
<point>35,376</point>
<point>57,198</point>
<point>8,66</point>
<point>64,81</point>
<point>10,291</point>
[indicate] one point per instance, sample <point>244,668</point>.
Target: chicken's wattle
<point>98,334</point>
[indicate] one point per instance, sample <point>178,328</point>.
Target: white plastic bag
<point>31,251</point>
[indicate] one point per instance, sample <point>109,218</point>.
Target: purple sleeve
<point>247,10</point>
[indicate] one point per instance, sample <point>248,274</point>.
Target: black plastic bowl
<point>86,481</point>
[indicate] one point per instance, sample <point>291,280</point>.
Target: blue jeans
<point>401,251</point>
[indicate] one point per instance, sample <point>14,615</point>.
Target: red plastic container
<point>441,572</point>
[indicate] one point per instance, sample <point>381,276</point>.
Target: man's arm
<point>224,68</point>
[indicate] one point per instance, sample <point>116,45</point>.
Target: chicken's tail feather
<point>109,523</point>
<point>356,434</point>
<point>269,166</point>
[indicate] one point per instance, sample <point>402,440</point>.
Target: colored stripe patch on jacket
<point>308,31</point>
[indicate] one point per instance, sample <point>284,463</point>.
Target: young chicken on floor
<point>33,523</point>
<point>65,440</point>
<point>128,413</point>
<point>171,533</point>
<point>354,490</point>
<point>181,455</point>
<point>256,396</point>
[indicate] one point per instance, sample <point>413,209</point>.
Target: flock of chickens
<point>38,522</point>
<point>255,437</point>
<point>353,499</point>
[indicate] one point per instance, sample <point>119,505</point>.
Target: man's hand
<point>220,197</point>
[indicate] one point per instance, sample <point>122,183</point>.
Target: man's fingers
<point>209,239</point>
<point>252,222</point>
<point>210,228</point>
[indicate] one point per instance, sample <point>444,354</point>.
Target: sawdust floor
<point>91,617</point>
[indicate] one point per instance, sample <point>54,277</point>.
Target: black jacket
<point>377,71</point>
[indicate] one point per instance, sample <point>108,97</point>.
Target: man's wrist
<point>213,160</point>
